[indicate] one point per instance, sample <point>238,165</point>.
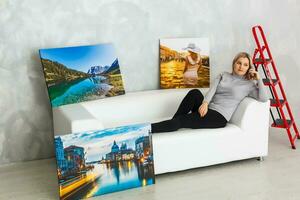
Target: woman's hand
<point>203,109</point>
<point>254,74</point>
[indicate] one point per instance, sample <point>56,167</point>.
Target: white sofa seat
<point>245,136</point>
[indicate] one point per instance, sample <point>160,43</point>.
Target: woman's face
<point>241,66</point>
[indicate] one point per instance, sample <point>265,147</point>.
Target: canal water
<point>79,90</point>
<point>116,177</point>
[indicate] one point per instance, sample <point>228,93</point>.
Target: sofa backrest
<point>137,107</point>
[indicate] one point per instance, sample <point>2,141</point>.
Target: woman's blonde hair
<point>243,55</point>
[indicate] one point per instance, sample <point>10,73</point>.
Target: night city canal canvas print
<point>82,73</point>
<point>95,163</point>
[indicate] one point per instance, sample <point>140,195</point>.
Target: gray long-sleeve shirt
<point>228,90</point>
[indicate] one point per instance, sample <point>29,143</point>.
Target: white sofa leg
<point>261,158</point>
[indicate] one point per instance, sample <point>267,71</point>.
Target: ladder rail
<point>261,47</point>
<point>264,39</point>
<point>266,46</point>
<point>262,56</point>
<point>277,77</point>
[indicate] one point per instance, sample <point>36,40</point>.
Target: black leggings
<point>184,119</point>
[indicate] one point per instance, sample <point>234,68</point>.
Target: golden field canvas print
<point>184,63</point>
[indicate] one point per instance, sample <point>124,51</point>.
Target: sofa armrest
<point>250,113</point>
<point>74,118</point>
<point>252,117</point>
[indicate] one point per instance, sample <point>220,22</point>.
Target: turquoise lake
<point>79,90</point>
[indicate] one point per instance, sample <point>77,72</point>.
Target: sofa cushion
<point>191,148</point>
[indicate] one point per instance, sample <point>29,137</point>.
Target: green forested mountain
<point>56,72</point>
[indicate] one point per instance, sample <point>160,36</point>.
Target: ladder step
<point>261,61</point>
<point>267,81</point>
<point>274,102</point>
<point>279,123</point>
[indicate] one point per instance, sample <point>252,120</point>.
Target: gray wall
<point>134,27</point>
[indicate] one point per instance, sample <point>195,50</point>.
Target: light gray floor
<point>277,177</point>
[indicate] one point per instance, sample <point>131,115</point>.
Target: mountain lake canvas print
<point>82,73</point>
<point>100,162</point>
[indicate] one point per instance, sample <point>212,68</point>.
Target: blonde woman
<point>192,65</point>
<point>215,109</point>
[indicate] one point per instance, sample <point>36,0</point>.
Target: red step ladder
<point>262,56</point>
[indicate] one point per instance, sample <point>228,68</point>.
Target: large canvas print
<point>184,63</point>
<point>100,162</point>
<point>82,73</point>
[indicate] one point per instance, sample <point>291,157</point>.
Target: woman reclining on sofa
<point>216,108</point>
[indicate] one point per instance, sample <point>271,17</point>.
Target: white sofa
<point>245,136</point>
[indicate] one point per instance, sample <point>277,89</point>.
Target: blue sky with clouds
<point>81,58</point>
<point>98,143</point>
